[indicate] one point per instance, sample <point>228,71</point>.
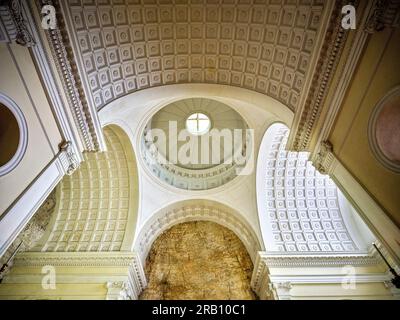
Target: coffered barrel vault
<point>266,46</point>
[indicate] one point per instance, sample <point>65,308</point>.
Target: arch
<point>299,208</point>
<point>196,210</point>
<point>198,260</point>
<point>22,143</point>
<point>97,205</point>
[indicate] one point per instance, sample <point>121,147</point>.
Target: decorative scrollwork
<point>23,36</point>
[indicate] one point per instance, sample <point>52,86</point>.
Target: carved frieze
<point>14,24</point>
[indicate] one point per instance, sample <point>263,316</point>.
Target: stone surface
<point>198,260</point>
<point>33,231</point>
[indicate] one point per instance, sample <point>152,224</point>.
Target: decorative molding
<point>260,281</point>
<point>307,115</point>
<point>192,212</point>
<point>374,16</point>
<point>75,259</point>
<point>18,215</point>
<point>62,53</point>
<point>116,290</point>
<point>330,278</point>
<point>15,24</point>
<point>50,81</point>
<point>278,285</point>
<point>301,211</point>
<point>321,260</point>
<point>68,158</point>
<point>127,47</point>
<point>385,14</point>
<point>324,159</point>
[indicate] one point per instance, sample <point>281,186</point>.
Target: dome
<point>196,143</point>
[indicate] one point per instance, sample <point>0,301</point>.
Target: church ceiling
<point>269,46</point>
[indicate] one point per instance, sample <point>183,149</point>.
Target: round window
<point>13,135</point>
<point>198,123</point>
<point>384,131</point>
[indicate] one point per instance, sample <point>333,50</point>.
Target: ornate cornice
<point>335,39</point>
<point>66,67</point>
<point>278,286</point>
<point>68,158</point>
<point>15,24</point>
<point>126,290</point>
<point>326,260</point>
<point>324,159</point>
<point>386,13</point>
<point>372,17</point>
<point>76,259</point>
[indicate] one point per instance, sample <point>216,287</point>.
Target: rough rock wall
<point>198,260</point>
<point>32,232</point>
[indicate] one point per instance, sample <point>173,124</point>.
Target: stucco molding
<point>385,13</point>
<point>372,17</point>
<point>307,114</point>
<point>321,260</point>
<point>75,259</point>
<point>324,159</point>
<point>85,118</point>
<point>14,23</point>
<point>68,158</point>
<point>116,290</point>
<point>275,286</point>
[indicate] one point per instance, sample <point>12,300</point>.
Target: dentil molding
<point>14,24</point>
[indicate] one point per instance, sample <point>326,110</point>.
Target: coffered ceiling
<point>270,46</point>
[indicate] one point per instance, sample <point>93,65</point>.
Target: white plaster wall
<point>20,81</point>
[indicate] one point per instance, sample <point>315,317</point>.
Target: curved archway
<point>196,210</point>
<point>198,260</point>
<point>97,205</point>
<point>299,208</point>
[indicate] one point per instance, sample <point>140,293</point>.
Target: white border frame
<point>372,141</point>
<point>23,135</point>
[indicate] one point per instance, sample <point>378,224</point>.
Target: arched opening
<point>196,210</point>
<point>198,260</point>
<point>301,210</point>
<point>97,205</point>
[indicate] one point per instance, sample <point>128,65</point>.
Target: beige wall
<point>19,80</point>
<point>377,73</point>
